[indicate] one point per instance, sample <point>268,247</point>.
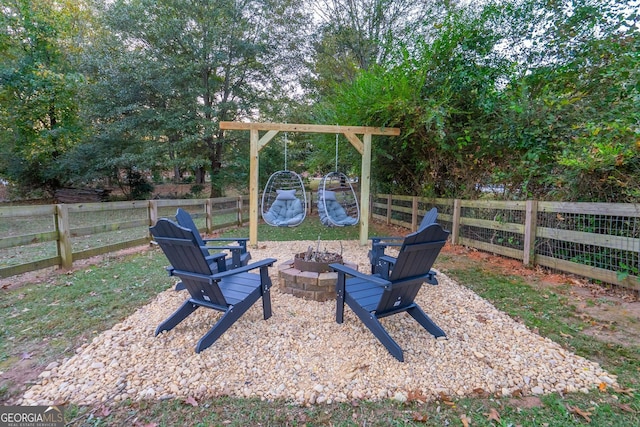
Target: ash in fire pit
<point>309,276</point>
<point>316,261</point>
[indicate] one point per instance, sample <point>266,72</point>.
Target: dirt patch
<point>526,402</point>
<point>612,312</point>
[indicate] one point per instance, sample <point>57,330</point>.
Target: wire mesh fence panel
<point>445,210</point>
<point>600,238</point>
<point>501,225</point>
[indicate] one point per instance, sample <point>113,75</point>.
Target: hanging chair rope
<point>336,169</point>
<point>337,200</point>
<point>286,142</point>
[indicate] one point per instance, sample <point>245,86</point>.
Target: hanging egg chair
<point>284,200</point>
<point>337,200</point>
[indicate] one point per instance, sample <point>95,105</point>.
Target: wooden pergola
<point>350,132</point>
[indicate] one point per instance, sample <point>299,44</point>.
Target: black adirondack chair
<point>372,297</point>
<point>379,244</point>
<point>232,292</point>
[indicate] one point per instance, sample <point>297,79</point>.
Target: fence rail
<point>58,235</point>
<point>599,241</point>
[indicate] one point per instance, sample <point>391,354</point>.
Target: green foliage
<point>537,98</point>
<point>179,68</point>
<point>40,117</point>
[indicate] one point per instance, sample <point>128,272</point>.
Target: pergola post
<point>365,185</point>
<point>272,129</point>
<point>254,168</point>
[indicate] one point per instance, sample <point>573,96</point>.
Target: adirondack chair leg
<point>178,316</point>
<point>266,292</point>
<point>426,322</point>
<point>180,287</point>
<point>376,328</point>
<point>228,318</point>
<point>340,289</point>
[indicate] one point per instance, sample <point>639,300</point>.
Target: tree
<point>39,117</point>
<point>196,63</point>
<point>537,98</point>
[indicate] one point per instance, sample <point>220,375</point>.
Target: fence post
<point>414,214</point>
<point>455,225</point>
<point>239,207</point>
<point>389,197</point>
<point>153,213</point>
<point>208,215</point>
<point>530,225</point>
<point>64,236</point>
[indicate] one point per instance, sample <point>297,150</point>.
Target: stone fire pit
<point>309,276</point>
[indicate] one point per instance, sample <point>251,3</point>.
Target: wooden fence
<point>57,235</point>
<point>599,241</point>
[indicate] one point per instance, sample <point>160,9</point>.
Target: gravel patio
<point>303,356</point>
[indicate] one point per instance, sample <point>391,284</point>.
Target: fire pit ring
<point>319,264</point>
<point>312,280</point>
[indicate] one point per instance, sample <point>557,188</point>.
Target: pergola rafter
<point>272,129</point>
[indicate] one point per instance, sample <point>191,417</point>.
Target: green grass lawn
<point>45,321</point>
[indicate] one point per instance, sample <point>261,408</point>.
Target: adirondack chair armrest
<point>241,241</point>
<point>222,248</point>
<point>388,259</point>
<point>258,264</point>
<point>340,268</point>
<point>214,257</point>
<point>390,240</point>
<point>229,239</point>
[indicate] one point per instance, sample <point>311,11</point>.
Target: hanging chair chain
<point>336,152</point>
<point>286,142</point>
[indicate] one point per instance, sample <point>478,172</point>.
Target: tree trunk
<point>200,174</point>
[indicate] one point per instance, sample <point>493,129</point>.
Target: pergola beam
<point>363,146</point>
<point>287,127</point>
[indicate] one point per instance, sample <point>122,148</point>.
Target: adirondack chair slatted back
<point>418,252</point>
<point>429,217</point>
<point>413,264</point>
<point>181,249</point>
<point>185,220</point>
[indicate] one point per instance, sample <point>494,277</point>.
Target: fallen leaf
<point>25,356</point>
<point>626,407</point>
<point>627,391</point>
<point>421,418</point>
<point>480,392</point>
<point>5,286</point>
<point>103,411</point>
<point>445,398</point>
<point>417,396</point>
<point>465,420</point>
<point>562,334</point>
<point>493,415</point>
<point>191,401</point>
<point>602,386</point>
<point>578,411</point>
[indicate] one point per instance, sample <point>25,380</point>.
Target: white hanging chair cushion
<point>330,195</point>
<point>286,195</point>
<point>335,213</point>
<point>286,210</point>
